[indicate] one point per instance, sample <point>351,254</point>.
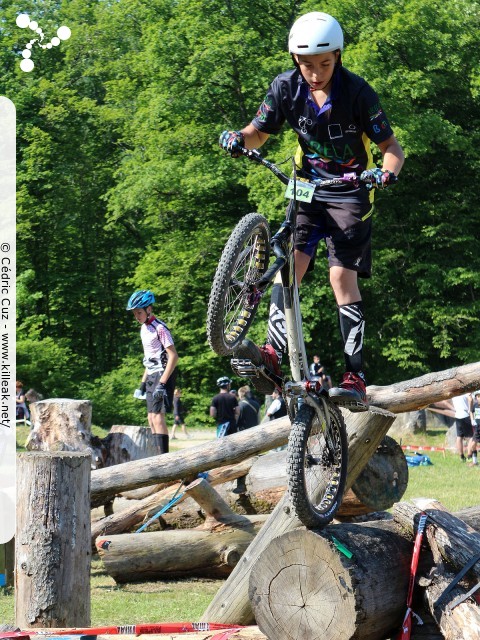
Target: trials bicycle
<point>317,451</point>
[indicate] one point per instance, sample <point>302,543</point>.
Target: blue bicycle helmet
<point>140,299</point>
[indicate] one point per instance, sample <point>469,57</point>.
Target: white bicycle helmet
<point>315,32</point>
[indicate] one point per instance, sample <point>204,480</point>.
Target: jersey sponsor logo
<point>303,123</point>
<point>335,131</point>
<point>328,150</point>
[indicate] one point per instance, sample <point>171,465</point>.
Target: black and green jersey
<point>334,139</point>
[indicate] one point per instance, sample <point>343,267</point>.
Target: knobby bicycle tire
<point>317,466</point>
<point>232,304</point>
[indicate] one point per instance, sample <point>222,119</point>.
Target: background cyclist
<point>160,360</point>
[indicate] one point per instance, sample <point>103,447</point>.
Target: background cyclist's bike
<point>317,446</point>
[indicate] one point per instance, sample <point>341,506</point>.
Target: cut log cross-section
<point>334,584</point>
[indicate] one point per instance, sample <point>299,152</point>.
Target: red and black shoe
<point>260,364</point>
<point>351,393</point>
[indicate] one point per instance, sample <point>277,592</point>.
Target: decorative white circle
<point>64,33</point>
<point>23,20</point>
<point>55,41</point>
<point>49,45</point>
<point>39,31</point>
<point>26,53</point>
<point>28,46</point>
<point>26,65</point>
<point>33,25</point>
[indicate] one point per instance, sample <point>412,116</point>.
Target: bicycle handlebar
<point>352,178</point>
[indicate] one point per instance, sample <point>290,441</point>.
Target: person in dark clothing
<point>224,408</point>
<point>248,416</point>
<point>178,415</point>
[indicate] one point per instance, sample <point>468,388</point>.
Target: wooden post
<point>53,546</point>
<point>60,424</point>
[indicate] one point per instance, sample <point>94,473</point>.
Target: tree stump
<point>125,443</point>
<point>52,564</point>
<point>60,424</point>
<point>304,585</point>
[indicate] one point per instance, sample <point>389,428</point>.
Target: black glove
<point>231,141</point>
<point>160,392</point>
<point>143,388</point>
<point>377,179</point>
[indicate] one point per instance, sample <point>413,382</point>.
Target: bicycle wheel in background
<point>317,465</point>
<point>233,301</point>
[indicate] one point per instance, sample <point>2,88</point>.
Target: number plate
<point>304,190</point>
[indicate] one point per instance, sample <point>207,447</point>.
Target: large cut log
<point>247,633</point>
<point>231,603</point>
<point>141,510</point>
<point>211,550</point>
<point>172,466</point>
<point>52,564</point>
<point>460,622</point>
<point>418,393</point>
<point>454,542</point>
<point>457,541</point>
<point>60,424</point>
<point>126,442</point>
<point>399,397</point>
<point>346,581</point>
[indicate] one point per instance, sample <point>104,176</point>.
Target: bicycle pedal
<point>355,406</point>
<point>244,368</point>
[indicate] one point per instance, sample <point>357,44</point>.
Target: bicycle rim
<point>317,465</point>
<point>233,298</point>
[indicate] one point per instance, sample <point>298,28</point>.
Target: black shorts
<point>157,406</point>
<point>476,432</point>
<point>346,228</point>
<point>464,427</point>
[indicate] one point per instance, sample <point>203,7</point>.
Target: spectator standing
<point>317,369</point>
<point>160,359</point>
<point>476,426</point>
<point>224,408</point>
<point>248,411</point>
<point>278,408</point>
<point>21,409</point>
<point>463,407</point>
<point>178,414</point>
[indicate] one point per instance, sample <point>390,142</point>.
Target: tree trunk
<point>405,396</point>
<point>211,550</point>
<point>456,541</point>
<point>61,424</point>
<point>461,622</point>
<point>141,510</point>
<point>418,393</point>
<point>171,466</point>
<point>52,570</point>
<point>231,603</point>
<point>306,585</point>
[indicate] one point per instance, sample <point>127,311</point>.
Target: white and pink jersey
<point>155,339</point>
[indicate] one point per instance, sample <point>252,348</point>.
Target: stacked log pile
<point>350,581</point>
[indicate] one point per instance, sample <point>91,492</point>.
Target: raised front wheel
<point>234,298</point>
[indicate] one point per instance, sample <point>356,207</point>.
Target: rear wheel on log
<point>317,465</point>
<point>233,303</point>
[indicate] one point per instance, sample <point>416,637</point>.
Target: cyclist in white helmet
<point>335,115</point>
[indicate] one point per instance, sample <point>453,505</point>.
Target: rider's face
<point>318,69</point>
<point>140,315</point>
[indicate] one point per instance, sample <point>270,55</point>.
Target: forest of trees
<point>121,184</point>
